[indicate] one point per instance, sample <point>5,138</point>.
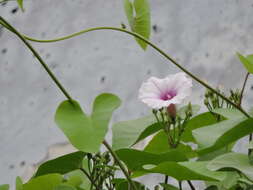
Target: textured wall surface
<point>202,35</point>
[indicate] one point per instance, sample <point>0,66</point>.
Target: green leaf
<point>247,62</point>
<point>196,122</point>
<point>229,182</point>
<point>84,132</point>
<point>223,133</point>
<point>190,170</point>
<point>138,15</point>
<point>123,184</point>
<point>19,183</point>
<point>62,165</point>
<point>233,160</point>
<point>212,187</point>
<point>229,113</point>
<point>128,6</point>
<point>127,133</point>
<point>159,144</point>
<point>46,182</point>
<point>4,187</point>
<point>74,177</point>
<point>20,4</point>
<point>142,158</point>
<point>64,187</point>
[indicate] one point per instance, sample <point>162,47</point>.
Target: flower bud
<point>172,110</point>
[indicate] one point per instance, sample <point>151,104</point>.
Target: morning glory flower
<point>160,93</point>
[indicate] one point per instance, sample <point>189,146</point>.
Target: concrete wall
<point>202,35</point>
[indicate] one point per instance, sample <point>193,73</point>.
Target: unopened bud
<point>206,102</point>
<point>172,110</point>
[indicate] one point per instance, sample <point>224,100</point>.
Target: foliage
<point>183,144</point>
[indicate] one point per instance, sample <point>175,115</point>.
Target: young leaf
<point>84,132</point>
<point>138,15</point>
<point>20,4</point>
<point>62,165</point>
<point>19,183</point>
<point>247,62</point>
<point>233,160</point>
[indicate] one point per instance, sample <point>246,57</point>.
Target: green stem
<point>153,46</point>
<point>44,65</point>
<point>166,179</point>
<point>89,177</point>
<point>243,88</point>
<point>122,167</point>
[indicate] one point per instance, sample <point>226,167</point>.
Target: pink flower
<point>159,93</point>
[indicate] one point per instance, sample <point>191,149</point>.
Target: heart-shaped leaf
<point>84,132</point>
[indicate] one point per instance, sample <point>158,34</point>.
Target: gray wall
<point>202,35</point>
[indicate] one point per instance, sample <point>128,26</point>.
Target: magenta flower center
<point>168,95</point>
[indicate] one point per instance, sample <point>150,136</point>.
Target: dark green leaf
<point>62,165</point>
<point>86,133</point>
<point>122,184</point>
<point>142,158</point>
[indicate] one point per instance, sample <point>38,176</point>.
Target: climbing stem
<point>243,88</point>
<point>44,65</point>
<point>153,46</point>
<point>122,167</point>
